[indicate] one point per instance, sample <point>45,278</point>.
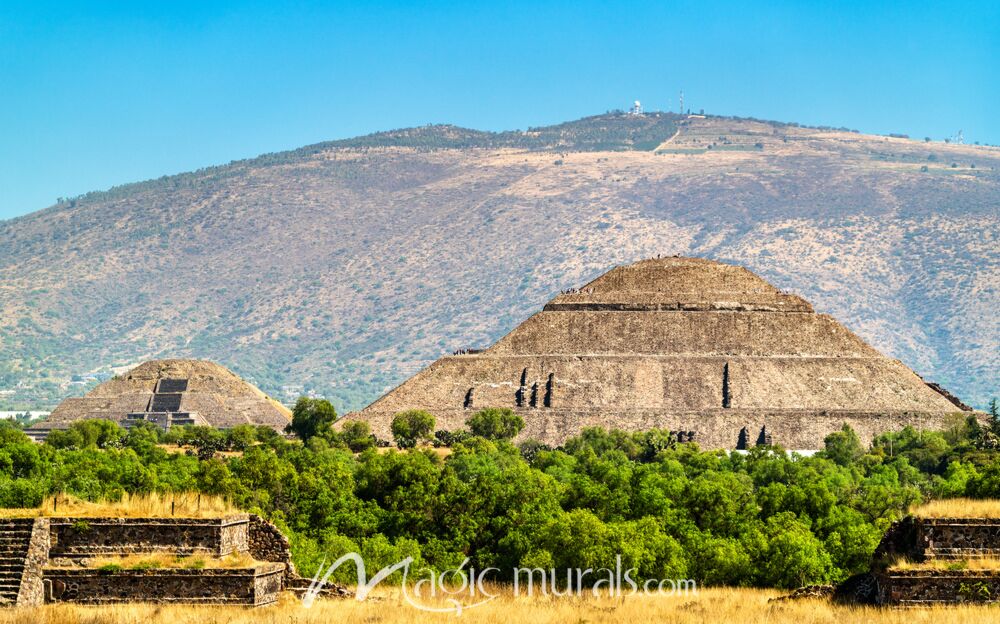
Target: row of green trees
<point>764,518</point>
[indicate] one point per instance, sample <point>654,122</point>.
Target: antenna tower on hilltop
<point>681,111</point>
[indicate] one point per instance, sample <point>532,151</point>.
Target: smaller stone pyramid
<point>174,392</point>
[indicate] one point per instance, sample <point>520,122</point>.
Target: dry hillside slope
<point>346,266</point>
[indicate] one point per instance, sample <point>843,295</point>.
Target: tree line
<point>672,510</point>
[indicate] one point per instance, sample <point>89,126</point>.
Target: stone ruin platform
<point>50,560</point>
<point>941,553</point>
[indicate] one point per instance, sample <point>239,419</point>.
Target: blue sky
<point>94,94</point>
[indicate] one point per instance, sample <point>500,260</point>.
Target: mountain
<point>346,266</point>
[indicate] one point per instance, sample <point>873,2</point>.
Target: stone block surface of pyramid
<point>174,392</point>
<point>706,349</point>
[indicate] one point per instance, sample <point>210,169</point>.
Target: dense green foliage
<point>412,427</point>
<point>494,423</point>
<point>758,518</point>
<point>312,418</point>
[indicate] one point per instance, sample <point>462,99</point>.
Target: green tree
<point>411,427</point>
<point>843,447</point>
<point>495,423</point>
<point>793,556</point>
<point>311,418</point>
<point>241,437</point>
<point>87,434</point>
<point>357,435</point>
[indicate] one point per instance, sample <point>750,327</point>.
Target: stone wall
<point>917,539</point>
<point>255,586</point>
<point>267,543</point>
<point>960,538</point>
<point>88,537</point>
<point>917,587</point>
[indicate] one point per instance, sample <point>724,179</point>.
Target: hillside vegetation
<point>346,266</point>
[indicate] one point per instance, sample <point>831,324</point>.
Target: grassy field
<point>732,606</point>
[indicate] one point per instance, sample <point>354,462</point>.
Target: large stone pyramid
<point>706,349</point>
<point>173,392</point>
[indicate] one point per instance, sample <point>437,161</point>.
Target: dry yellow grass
<point>959,508</point>
<point>729,606</point>
<point>184,504</point>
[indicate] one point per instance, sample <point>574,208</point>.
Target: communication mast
<point>636,108</point>
<point>681,111</point>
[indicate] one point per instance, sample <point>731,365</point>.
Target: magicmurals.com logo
<point>462,589</point>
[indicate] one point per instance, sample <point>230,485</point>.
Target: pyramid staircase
<point>15,540</point>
